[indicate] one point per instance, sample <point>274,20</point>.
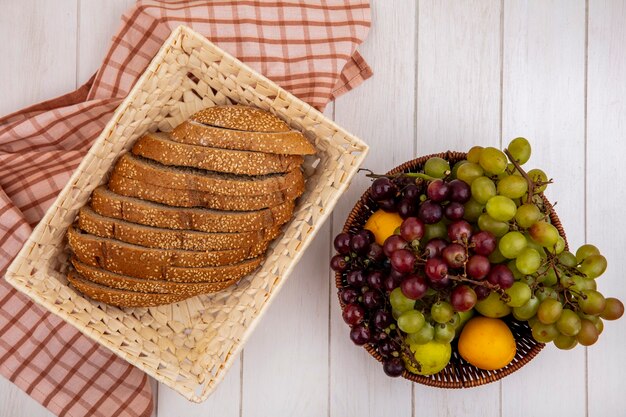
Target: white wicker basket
<point>187,345</point>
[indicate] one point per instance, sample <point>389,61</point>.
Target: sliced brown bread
<point>284,143</point>
<point>120,298</point>
<point>151,172</point>
<point>250,119</point>
<point>122,282</point>
<point>191,198</point>
<point>107,203</point>
<point>158,147</point>
<point>155,237</point>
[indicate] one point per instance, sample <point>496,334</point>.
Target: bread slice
<point>190,198</point>
<point>108,204</point>
<point>250,119</point>
<point>158,147</point>
<point>155,237</point>
<point>122,282</point>
<point>282,143</point>
<point>151,172</point>
<point>120,298</point>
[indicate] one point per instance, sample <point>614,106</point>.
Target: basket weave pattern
<point>187,345</point>
<point>458,373</point>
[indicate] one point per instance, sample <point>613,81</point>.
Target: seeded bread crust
<point>151,172</point>
<point>159,147</point>
<point>285,143</point>
<point>120,298</point>
<point>191,198</point>
<point>122,282</point>
<point>154,237</point>
<point>108,204</point>
<point>237,117</point>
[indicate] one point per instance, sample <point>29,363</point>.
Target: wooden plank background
<point>448,74</point>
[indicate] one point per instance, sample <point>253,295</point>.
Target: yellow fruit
<point>487,343</point>
<point>431,357</point>
<point>493,307</point>
<point>383,224</point>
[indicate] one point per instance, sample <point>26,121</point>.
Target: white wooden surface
<point>448,74</point>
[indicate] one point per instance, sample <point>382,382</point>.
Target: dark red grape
<point>393,367</point>
<point>501,275</point>
<point>360,334</point>
<point>459,230</point>
<point>411,192</point>
<point>403,260</point>
<point>383,188</point>
<point>390,283</point>
<point>481,292</point>
<point>438,191</point>
<point>454,211</point>
<point>454,255</point>
<point>459,191</point>
<point>372,299</point>
<point>375,252</point>
<point>348,295</point>
<point>436,269</point>
<point>477,267</point>
<point>359,243</point>
<point>367,234</point>
<point>388,347</point>
<point>430,212</point>
<point>388,205</point>
<point>445,282</point>
<point>393,243</point>
<point>382,319</point>
<point>378,336</point>
<point>434,248</point>
<point>412,228</point>
<point>463,298</point>
<point>355,278</point>
<point>375,279</point>
<point>353,314</point>
<point>484,243</point>
<point>414,286</point>
<point>406,208</point>
<point>338,263</point>
<point>342,243</point>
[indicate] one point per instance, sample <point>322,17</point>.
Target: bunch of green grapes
<point>555,290</point>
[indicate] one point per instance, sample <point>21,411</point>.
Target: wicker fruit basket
<point>187,345</point>
<point>458,373</point>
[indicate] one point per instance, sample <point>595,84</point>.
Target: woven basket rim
<point>437,380</point>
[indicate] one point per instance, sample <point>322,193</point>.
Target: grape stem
<point>372,174</point>
<point>531,184</point>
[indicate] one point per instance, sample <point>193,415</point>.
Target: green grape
<point>469,172</point>
<point>544,333</point>
<point>567,258</point>
<point>519,293</point>
<point>442,312</point>
<point>532,321</point>
<point>593,266</point>
<point>455,321</point>
<point>544,233</point>
<point>613,310</point>
<point>565,342</point>
<point>516,272</point>
<point>569,323</point>
<point>395,313</point>
<point>599,326</point>
<point>432,231</point>
<point>501,208</point>
<point>538,175</point>
<point>496,257</point>
<point>493,160</point>
<point>519,148</point>
<point>411,321</point>
<point>549,311</point>
<point>473,210</point>
<point>493,306</point>
<point>528,310</point>
<point>586,250</point>
<point>512,186</point>
<point>548,278</point>
<point>545,293</point>
<point>483,189</point>
<point>436,167</point>
<point>444,333</point>
<point>512,244</point>
<point>582,283</point>
<point>489,224</point>
<point>455,168</point>
<point>527,279</point>
<point>474,154</point>
<point>528,261</point>
<point>399,302</point>
<point>422,336</point>
<point>527,215</point>
<point>534,245</point>
<point>592,302</point>
<point>588,334</point>
<point>558,247</point>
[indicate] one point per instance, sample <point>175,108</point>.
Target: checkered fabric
<point>309,48</point>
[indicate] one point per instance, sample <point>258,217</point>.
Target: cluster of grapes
<point>474,236</point>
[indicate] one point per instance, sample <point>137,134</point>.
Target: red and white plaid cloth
<point>309,48</point>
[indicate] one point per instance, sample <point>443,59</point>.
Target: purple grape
<point>463,298</point>
<point>388,205</point>
<point>393,367</point>
<point>403,260</point>
<point>411,192</point>
<point>414,286</point>
<point>387,348</point>
<point>459,230</point>
<point>484,243</point>
<point>338,263</point>
<point>459,191</point>
<point>355,278</point>
<point>454,211</point>
<point>375,279</point>
<point>412,228</point>
<point>406,208</point>
<point>434,248</point>
<point>393,243</point>
<point>392,281</point>
<point>372,299</point>
<point>383,188</point>
<point>481,292</point>
<point>430,212</point>
<point>436,269</point>
<point>382,319</point>
<point>360,334</point>
<point>348,295</point>
<point>353,314</point>
<point>478,267</point>
<point>438,191</point>
<point>501,275</point>
<point>342,243</point>
<point>379,336</point>
<point>454,255</point>
<point>359,243</point>
<point>375,252</point>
